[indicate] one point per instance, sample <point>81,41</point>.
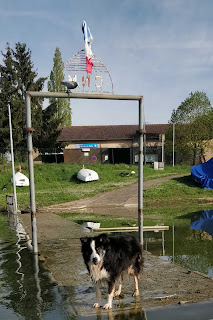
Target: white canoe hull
<point>91,225</point>
<point>21,180</point>
<point>87,175</point>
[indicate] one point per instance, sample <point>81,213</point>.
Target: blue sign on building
<point>86,145</point>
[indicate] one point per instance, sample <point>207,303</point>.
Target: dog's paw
<point>107,306</point>
<point>96,305</point>
<point>135,293</point>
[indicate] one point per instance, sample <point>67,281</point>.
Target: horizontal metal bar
<point>81,95</point>
<point>127,229</point>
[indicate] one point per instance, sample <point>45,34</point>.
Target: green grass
<point>157,217</point>
<point>167,217</point>
<point>105,221</point>
<point>57,183</point>
<point>177,194</point>
<point>150,173</point>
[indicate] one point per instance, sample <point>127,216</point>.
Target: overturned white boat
<point>21,180</point>
<point>91,225</point>
<point>87,175</point>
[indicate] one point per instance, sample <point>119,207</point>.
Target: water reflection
<point>150,237</point>
<point>203,221</point>
<point>21,289</point>
<point>134,313</point>
<point>188,242</point>
<point>26,291</point>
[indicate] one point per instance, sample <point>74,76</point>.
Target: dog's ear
<point>84,240</point>
<point>103,238</point>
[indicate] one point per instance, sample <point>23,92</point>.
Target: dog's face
<point>94,248</point>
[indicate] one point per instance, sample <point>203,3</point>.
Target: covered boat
<point>203,174</point>
<point>21,180</point>
<point>87,175</point>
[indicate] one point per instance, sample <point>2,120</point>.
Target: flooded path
<point>59,246</point>
<point>57,286</point>
<point>30,291</point>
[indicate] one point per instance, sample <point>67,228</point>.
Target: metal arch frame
<point>67,64</point>
<point>29,131</point>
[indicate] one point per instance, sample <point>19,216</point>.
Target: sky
<point>160,49</point>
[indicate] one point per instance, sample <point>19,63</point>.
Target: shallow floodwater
<point>27,292</point>
<point>188,242</point>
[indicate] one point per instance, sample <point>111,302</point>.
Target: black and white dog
<point>108,258</point>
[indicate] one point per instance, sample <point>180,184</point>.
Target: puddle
<point>188,242</point>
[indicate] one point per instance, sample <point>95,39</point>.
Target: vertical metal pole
<point>173,243</point>
<point>140,173</point>
<point>173,153</point>
<point>144,146</point>
<point>31,173</point>
<point>163,243</point>
<point>12,160</point>
<point>162,148</point>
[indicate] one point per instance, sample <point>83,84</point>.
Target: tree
<point>7,91</point>
<point>61,106</point>
<point>17,77</point>
<point>196,105</point>
<point>193,127</point>
<point>26,81</point>
<point>50,131</point>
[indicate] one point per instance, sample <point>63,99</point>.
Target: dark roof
<point>104,133</point>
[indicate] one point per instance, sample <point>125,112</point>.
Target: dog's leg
<point>118,292</point>
<point>98,294</point>
<point>136,292</point>
<point>111,292</point>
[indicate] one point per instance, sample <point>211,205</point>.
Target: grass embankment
<point>177,194</point>
<point>57,183</point>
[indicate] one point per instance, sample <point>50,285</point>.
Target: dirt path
<point>120,202</point>
<point>59,246</point>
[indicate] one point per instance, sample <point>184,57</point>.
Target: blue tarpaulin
<point>204,222</point>
<point>203,174</point>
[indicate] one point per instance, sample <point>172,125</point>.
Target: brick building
<point>111,143</point>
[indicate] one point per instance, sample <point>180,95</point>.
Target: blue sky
<point>161,49</point>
